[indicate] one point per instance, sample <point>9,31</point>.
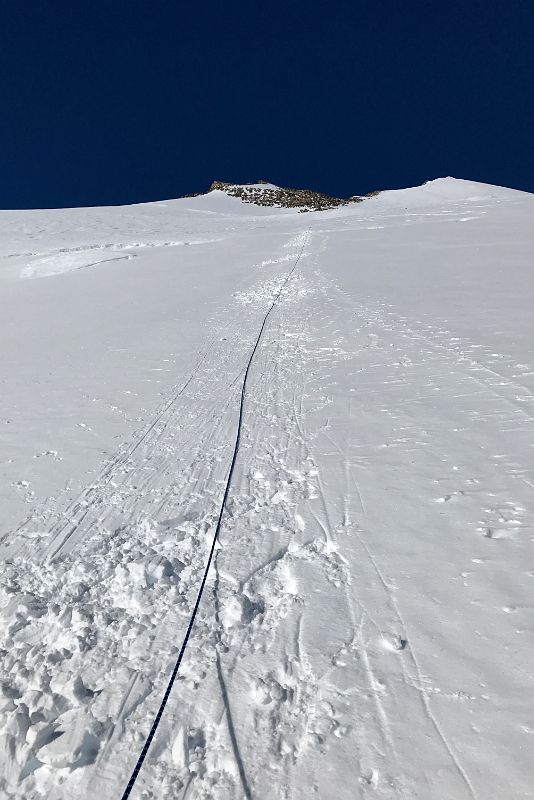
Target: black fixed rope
<point>157,719</point>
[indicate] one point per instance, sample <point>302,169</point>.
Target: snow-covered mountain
<point>365,629</point>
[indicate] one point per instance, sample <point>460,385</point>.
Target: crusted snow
<point>366,629</point>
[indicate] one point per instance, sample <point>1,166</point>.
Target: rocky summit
<point>264,193</point>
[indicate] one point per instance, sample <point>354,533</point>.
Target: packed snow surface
<point>367,626</point>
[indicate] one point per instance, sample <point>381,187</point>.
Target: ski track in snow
<point>364,631</point>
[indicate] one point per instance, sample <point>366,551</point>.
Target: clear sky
<point>125,101</point>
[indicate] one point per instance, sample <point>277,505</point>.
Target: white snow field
<point>366,629</point>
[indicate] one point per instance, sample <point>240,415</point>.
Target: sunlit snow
<point>367,627</point>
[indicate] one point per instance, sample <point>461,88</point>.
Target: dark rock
<point>301,199</point>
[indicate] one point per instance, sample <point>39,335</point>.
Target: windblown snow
<point>366,629</point>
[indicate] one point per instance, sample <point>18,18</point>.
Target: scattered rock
<point>263,193</point>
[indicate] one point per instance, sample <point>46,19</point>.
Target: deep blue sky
<point>126,101</point>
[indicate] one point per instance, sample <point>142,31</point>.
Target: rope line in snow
<point>148,741</point>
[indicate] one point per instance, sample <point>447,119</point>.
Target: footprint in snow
<point>502,524</point>
<point>452,496</point>
<point>497,533</point>
<point>394,642</point>
<point>50,453</point>
<point>369,777</point>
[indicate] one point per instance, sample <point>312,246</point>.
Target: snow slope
<point>366,630</point>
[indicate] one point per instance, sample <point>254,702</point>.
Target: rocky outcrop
<point>264,193</point>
